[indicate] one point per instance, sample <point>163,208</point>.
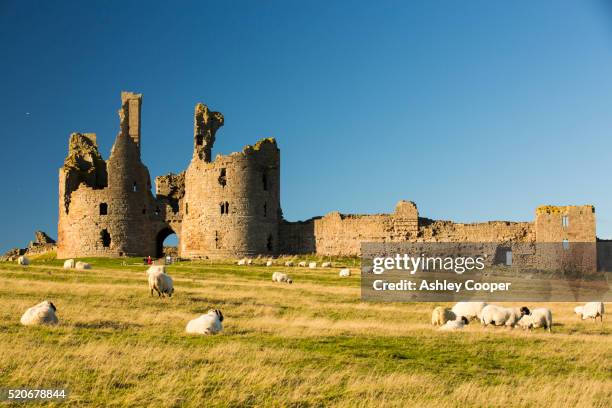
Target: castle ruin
<point>230,207</point>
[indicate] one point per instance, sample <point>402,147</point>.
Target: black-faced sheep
<point>210,323</point>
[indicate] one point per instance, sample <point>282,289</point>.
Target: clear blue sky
<point>475,110</point>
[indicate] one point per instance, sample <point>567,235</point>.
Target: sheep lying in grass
<point>159,281</point>
<point>345,272</point>
<point>241,262</point>
<point>82,265</point>
<point>455,324</point>
<point>302,264</point>
<point>23,260</point>
<point>471,310</point>
<point>269,263</point>
<point>42,313</point>
<point>69,264</point>
<point>591,310</point>
<point>441,315</point>
<point>502,316</point>
<point>249,261</point>
<point>541,317</point>
<point>289,263</point>
<point>312,265</point>
<point>281,277</point>
<point>210,323</point>
<point>326,265</point>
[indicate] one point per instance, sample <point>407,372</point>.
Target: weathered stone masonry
<point>230,206</point>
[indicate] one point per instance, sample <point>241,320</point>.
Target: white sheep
<point>471,310</point>
<point>69,264</point>
<point>541,317</point>
<point>42,313</point>
<point>269,263</point>
<point>159,281</point>
<point>326,265</point>
<point>591,310</point>
<point>23,260</point>
<point>241,262</point>
<point>281,277</point>
<point>312,265</point>
<point>249,261</point>
<point>502,316</point>
<point>82,265</point>
<point>210,323</point>
<point>441,315</point>
<point>302,264</point>
<point>345,272</point>
<point>289,263</point>
<point>457,324</point>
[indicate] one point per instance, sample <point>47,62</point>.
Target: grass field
<point>313,343</point>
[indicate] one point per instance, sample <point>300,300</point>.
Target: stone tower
<point>106,208</point>
<point>231,206</point>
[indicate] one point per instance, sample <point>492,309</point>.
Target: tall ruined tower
<point>106,208</point>
<point>231,206</point>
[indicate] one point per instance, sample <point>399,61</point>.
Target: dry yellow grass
<point>313,343</point>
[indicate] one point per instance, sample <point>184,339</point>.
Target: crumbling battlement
<point>230,206</point>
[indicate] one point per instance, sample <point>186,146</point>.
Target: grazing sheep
<point>345,272</point>
<point>281,277</point>
<point>42,313</point>
<point>541,317</point>
<point>269,263</point>
<point>471,310</point>
<point>242,262</point>
<point>591,310</point>
<point>23,260</point>
<point>455,324</point>
<point>69,264</point>
<point>502,316</point>
<point>326,265</point>
<point>312,265</point>
<point>302,264</point>
<point>441,315</point>
<point>82,265</point>
<point>249,262</point>
<point>210,323</point>
<point>289,263</point>
<point>159,281</point>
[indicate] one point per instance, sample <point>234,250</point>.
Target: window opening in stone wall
<point>217,240</point>
<point>224,208</point>
<point>134,187</point>
<point>144,210</point>
<point>186,208</point>
<point>106,238</point>
<point>565,221</point>
<point>269,243</point>
<point>103,208</point>
<point>264,180</point>
<point>265,209</point>
<point>157,211</point>
<point>199,140</point>
<point>223,177</point>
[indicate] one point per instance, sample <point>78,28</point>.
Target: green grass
<point>313,343</point>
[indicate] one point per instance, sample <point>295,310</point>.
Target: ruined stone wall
<point>231,206</point>
<point>339,234</point>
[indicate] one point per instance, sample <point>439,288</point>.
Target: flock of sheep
<point>344,272</point>
<point>454,318</point>
<point>463,312</point>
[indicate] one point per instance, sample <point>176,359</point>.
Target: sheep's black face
<point>219,314</point>
<point>53,306</point>
<point>525,311</point>
<point>465,320</point>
